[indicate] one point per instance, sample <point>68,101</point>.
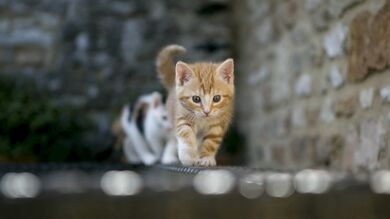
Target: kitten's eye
<point>196,99</point>
<point>216,98</point>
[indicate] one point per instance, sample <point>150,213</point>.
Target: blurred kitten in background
<point>143,132</point>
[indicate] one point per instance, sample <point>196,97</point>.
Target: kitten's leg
<point>140,146</point>
<point>210,146</point>
<point>186,143</point>
<point>155,142</point>
<point>170,153</point>
<point>130,153</point>
<point>136,139</point>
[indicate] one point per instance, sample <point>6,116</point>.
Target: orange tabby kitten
<point>200,103</point>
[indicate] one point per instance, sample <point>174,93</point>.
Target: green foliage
<point>32,126</point>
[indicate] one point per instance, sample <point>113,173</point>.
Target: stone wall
<point>97,55</point>
<point>314,82</point>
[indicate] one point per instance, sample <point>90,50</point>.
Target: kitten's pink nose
<point>206,111</point>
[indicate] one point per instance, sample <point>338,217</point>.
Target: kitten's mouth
<point>208,116</point>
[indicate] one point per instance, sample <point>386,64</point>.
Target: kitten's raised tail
<point>166,66</point>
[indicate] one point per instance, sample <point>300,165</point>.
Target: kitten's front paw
<point>169,159</point>
<point>188,161</point>
<point>149,160</point>
<point>208,161</point>
<point>188,157</point>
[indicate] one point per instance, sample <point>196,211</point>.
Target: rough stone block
<point>318,13</point>
<point>303,85</point>
<point>282,123</point>
<point>266,32</point>
<point>329,150</point>
<point>337,7</point>
<point>286,14</point>
<point>312,115</point>
<point>372,139</point>
<point>336,79</point>
<point>334,40</point>
<point>301,33</point>
<point>316,55</point>
<point>82,42</point>
<point>303,150</point>
<point>366,98</point>
<point>369,43</point>
<point>280,77</point>
<point>385,94</point>
<point>279,125</point>
<point>298,117</point>
<point>320,19</point>
<point>326,114</point>
<point>306,56</point>
<point>346,106</point>
<point>351,145</point>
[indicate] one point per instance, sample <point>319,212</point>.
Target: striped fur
<point>165,66</point>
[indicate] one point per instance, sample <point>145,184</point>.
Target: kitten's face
<point>206,90</point>
<point>161,116</point>
<point>159,112</point>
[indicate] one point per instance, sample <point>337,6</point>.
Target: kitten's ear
<point>226,71</point>
<point>156,100</point>
<point>140,108</point>
<point>183,73</point>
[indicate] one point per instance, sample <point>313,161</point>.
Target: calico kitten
<point>145,129</point>
<point>200,104</point>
